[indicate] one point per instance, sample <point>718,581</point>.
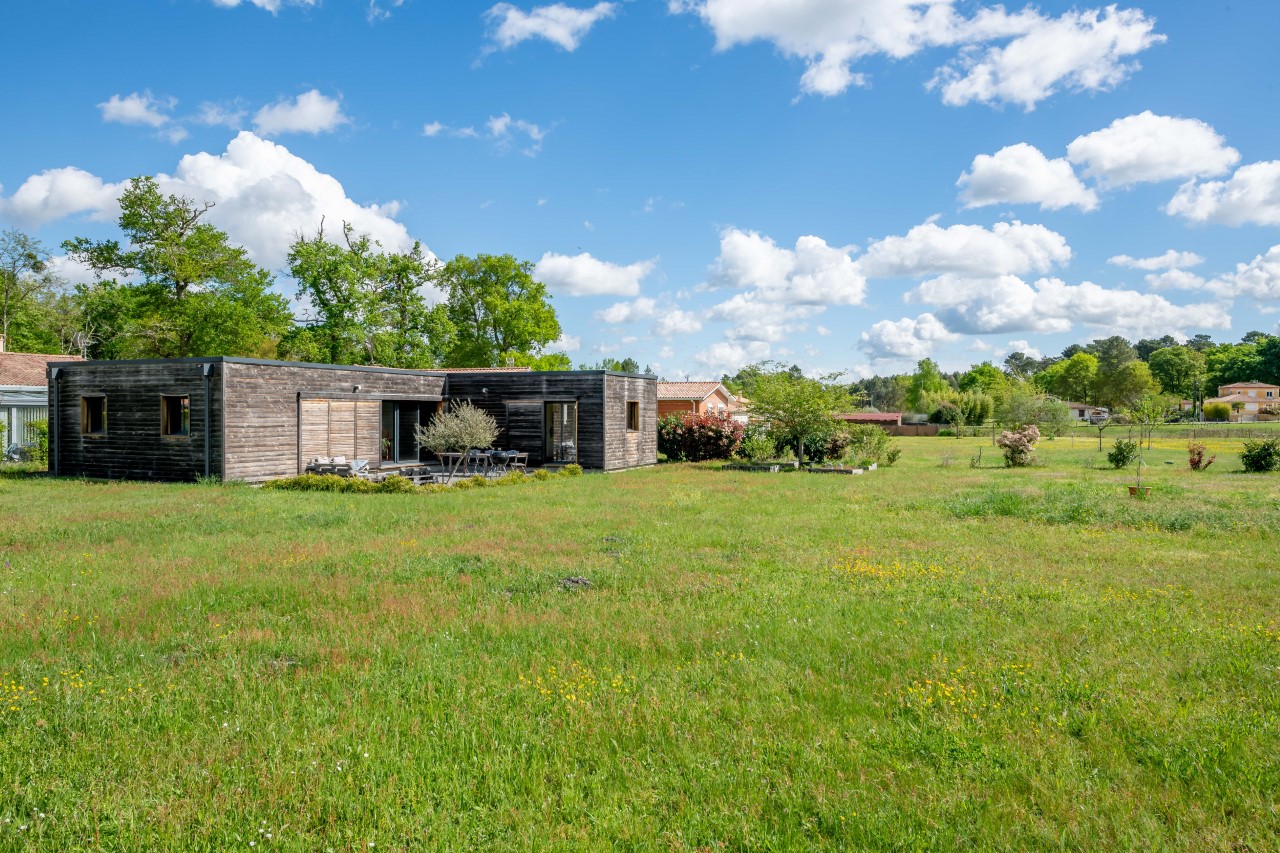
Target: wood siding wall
<point>132,447</point>
<point>262,414</point>
<point>626,448</point>
<point>517,402</point>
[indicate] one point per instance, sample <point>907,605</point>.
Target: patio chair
<point>518,461</point>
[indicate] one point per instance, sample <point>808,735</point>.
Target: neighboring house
<point>701,397</point>
<point>1246,399</point>
<point>256,420</point>
<point>24,393</point>
<point>1085,412</point>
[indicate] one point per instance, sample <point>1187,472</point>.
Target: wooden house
<point>256,420</point>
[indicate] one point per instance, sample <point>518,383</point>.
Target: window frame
<point>165,416</point>
<point>85,419</point>
<point>633,416</point>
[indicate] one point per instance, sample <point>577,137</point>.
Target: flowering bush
<point>1019,445</point>
<point>694,437</point>
<point>1196,450</point>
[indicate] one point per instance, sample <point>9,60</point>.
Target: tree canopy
<point>497,310</point>
<point>179,288</point>
<point>797,409</point>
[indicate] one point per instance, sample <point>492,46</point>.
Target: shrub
<point>947,412</point>
<point>869,443</point>
<point>757,447</point>
<point>946,433</point>
<point>541,475</point>
<point>395,484</point>
<point>573,469</point>
<point>1195,452</point>
<point>1217,412</point>
<point>1260,456</point>
<point>39,433</point>
<point>1122,454</point>
<point>694,437</point>
<point>1019,446</point>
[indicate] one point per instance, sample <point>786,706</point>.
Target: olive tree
<point>460,430</point>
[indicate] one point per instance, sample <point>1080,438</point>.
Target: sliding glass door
<point>561,421</point>
<point>399,423</point>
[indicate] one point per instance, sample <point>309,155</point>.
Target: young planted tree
<point>796,408</point>
<point>460,430</point>
<point>183,288</point>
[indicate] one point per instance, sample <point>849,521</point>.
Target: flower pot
<point>1140,491</point>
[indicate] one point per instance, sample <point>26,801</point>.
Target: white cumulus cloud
<point>1260,278</point>
<point>264,196</point>
<point>1249,197</point>
<point>1081,51</point>
<point>928,249</point>
<point>675,322</point>
<point>310,112</point>
<point>1172,259</point>
<point>56,193</point>
<point>138,108</point>
<point>1146,148</point>
<point>557,23</point>
<point>751,318</point>
<point>811,274</point>
<point>584,275</point>
<point>1009,304</point>
<point>640,308</point>
<point>1021,174</point>
<point>731,356</point>
<point>908,339</point>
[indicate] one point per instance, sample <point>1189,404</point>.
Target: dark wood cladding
<point>517,402</point>
<point>262,413</point>
<point>266,419</point>
<point>132,447</point>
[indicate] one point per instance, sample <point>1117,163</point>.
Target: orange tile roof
<point>1248,385</point>
<point>27,369</point>
<point>687,390</point>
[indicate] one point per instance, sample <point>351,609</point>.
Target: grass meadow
<point>931,656</point>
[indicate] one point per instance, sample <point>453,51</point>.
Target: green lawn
<point>931,656</point>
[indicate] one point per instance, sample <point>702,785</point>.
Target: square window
<point>175,415</point>
<point>633,416</point>
<point>93,415</point>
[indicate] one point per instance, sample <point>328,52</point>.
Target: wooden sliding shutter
<point>347,428</point>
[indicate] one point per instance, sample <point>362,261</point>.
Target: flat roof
<point>368,368</point>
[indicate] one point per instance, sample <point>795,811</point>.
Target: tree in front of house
<point>1070,379</point>
<point>1125,386</point>
<point>797,409</point>
<point>177,287</point>
<point>366,306</point>
<point>497,309</point>
<point>1179,370</point>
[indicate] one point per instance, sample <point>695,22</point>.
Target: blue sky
<point>703,183</point>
